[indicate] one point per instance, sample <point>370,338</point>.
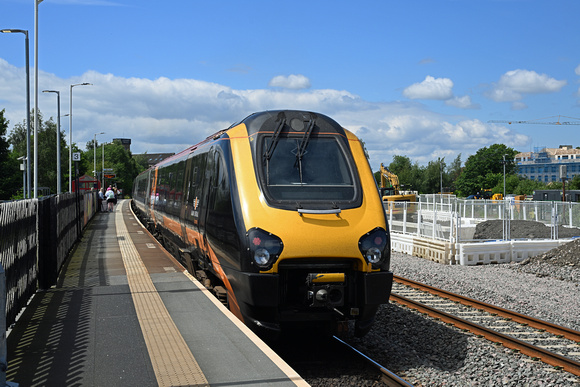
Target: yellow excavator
<point>390,190</point>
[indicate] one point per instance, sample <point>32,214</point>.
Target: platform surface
<point>125,313</point>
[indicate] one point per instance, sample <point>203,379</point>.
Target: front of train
<point>317,240</point>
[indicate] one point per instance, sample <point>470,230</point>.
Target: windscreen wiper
<point>301,148</point>
<point>275,138</point>
<point>305,138</point>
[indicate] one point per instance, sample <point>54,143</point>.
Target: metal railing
<point>35,237</point>
<point>444,217</point>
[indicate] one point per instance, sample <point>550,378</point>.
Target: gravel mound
<point>567,255</point>
<point>521,229</point>
<point>561,263</point>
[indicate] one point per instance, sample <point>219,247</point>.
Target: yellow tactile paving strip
<point>173,362</point>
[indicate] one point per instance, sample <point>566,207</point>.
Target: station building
<point>549,164</point>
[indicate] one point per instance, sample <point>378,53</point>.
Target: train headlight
<point>264,247</point>
<point>261,257</point>
<point>373,255</point>
<point>375,246</point>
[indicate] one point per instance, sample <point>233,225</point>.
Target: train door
<point>206,191</point>
<point>194,201</point>
<point>147,183</point>
<point>153,190</point>
<point>219,227</point>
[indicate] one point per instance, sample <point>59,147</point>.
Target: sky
<point>416,78</point>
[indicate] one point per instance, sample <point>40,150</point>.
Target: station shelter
<point>86,183</point>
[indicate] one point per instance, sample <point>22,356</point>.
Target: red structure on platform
<point>86,183</point>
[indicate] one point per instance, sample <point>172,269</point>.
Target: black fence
<point>36,236</point>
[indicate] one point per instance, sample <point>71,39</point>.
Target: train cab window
<point>324,173</point>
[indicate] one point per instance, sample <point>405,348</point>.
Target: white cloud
<point>165,115</point>
<point>513,85</point>
<point>462,102</point>
<point>518,105</point>
<point>294,82</point>
<point>426,61</point>
<point>430,88</point>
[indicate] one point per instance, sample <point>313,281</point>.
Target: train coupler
<point>326,289</point>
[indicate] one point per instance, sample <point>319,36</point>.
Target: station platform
<point>125,313</point>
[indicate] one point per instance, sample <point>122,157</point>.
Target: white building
<point>549,164</point>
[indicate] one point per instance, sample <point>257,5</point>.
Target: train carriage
<point>280,216</point>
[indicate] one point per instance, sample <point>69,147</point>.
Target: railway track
<point>553,344</point>
<point>388,378</point>
<point>324,361</point>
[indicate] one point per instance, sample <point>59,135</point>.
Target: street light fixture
<point>58,187</point>
<point>27,159</point>
<point>23,168</point>
<point>70,135</point>
<point>95,154</point>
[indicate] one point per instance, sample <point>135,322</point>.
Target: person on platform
<point>102,200</point>
<point>111,199</point>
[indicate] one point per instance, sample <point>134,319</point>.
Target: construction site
<point>453,231</point>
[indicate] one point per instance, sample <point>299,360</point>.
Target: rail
<point>568,333</point>
<point>507,341</point>
<point>388,378</point>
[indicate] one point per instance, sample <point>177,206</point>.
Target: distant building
<point>126,142</point>
<point>154,158</point>
<point>549,164</point>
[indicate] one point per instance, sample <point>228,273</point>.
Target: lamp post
<point>36,121</point>
<point>58,187</point>
<point>27,160</point>
<point>504,176</point>
<point>95,153</point>
<point>70,135</point>
<point>103,165</point>
<point>441,176</point>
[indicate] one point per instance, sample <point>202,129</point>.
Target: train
<point>280,216</point>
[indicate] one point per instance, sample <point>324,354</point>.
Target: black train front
<point>280,215</point>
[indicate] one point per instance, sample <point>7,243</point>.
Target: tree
<point>511,184</point>
<point>410,175</point>
<point>142,161</point>
<point>432,176</point>
<point>124,166</point>
<point>47,137</point>
<point>10,176</point>
<point>527,187</point>
<point>453,172</point>
<point>574,183</point>
<point>482,169</point>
